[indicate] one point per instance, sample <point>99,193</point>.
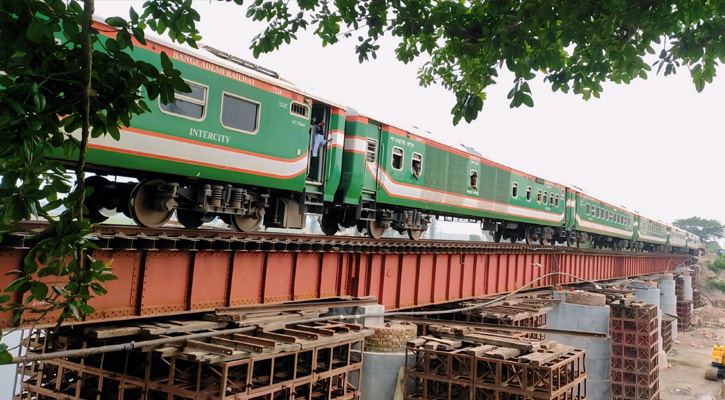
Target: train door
<point>372,153</point>
<point>318,143</point>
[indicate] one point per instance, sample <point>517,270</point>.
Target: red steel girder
<point>167,282</point>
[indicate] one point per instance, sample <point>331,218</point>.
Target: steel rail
<point>128,237</point>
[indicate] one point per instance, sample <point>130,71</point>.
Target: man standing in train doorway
<point>316,150</point>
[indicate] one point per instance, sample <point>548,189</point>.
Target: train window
<point>397,159</point>
<point>515,190</point>
<point>299,110</point>
<point>556,202</point>
<point>371,152</point>
<point>587,210</point>
<point>538,196</point>
<point>239,114</point>
<point>187,105</point>
<point>546,197</point>
<point>473,180</point>
<point>611,216</point>
<point>599,212</point>
<point>528,193</point>
<point>416,165</point>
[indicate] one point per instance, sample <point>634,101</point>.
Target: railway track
<point>128,237</point>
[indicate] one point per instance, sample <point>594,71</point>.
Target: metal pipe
<point>508,328</point>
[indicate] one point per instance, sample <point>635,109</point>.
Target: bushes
<point>716,283</point>
<point>717,265</point>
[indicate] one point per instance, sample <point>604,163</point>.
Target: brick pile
<point>634,372</point>
<point>391,337</point>
<point>684,307</point>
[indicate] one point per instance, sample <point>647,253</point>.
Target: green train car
<point>251,148</point>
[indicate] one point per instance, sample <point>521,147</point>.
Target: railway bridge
<point>217,314</point>
<point>164,272</point>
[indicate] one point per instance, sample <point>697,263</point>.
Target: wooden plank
<point>493,340</point>
<point>320,331</point>
<point>190,326</point>
<point>478,350</point>
<point>111,332</point>
<point>238,344</point>
<point>540,358</point>
<point>276,336</point>
<point>417,342</point>
<point>502,353</point>
<point>300,334</point>
<point>211,348</point>
<point>548,344</point>
<point>254,340</point>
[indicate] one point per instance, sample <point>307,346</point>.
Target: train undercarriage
<point>151,202</point>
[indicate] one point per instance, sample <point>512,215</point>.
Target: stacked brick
<point>391,338</point>
<point>635,368</point>
<point>684,307</point>
<point>696,295</point>
<point>666,330</point>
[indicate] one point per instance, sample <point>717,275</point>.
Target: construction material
<point>635,368</point>
<point>547,370</point>
<point>256,364</point>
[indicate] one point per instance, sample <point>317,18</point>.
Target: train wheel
<point>416,234</point>
<point>192,219</point>
<point>571,240</point>
<point>248,223</point>
<point>497,236</point>
<point>329,225</point>
<point>93,201</point>
<point>374,230</point>
<point>529,238</point>
<point>141,204</point>
<point>544,242</point>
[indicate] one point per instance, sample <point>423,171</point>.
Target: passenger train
<point>241,147</point>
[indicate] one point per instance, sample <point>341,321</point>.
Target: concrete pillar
<point>384,356</point>
<point>668,299</point>
<point>585,318</point>
<point>652,296</point>
<point>688,287</point>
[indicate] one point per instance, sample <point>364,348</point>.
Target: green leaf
<point>166,63</point>
<point>4,298</point>
<point>37,32</point>
<point>39,290</point>
<point>15,285</point>
<point>30,266</point>
<point>6,358</point>
<point>116,22</point>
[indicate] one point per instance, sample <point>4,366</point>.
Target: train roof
<point>463,150</point>
<point>231,62</point>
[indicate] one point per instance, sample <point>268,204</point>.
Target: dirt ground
<point>689,357</point>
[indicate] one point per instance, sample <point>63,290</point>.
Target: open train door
<point>372,154</point>
<point>366,210</point>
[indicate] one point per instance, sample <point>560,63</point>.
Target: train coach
<point>251,148</point>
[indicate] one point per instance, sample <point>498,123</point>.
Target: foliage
<point>712,247</point>
<point>61,82</point>
<point>716,283</point>
<point>717,265</point>
<point>576,45</point>
<point>707,229</point>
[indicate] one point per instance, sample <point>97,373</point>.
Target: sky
<point>652,146</point>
